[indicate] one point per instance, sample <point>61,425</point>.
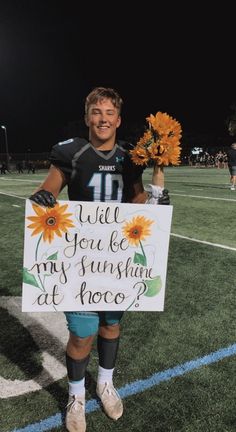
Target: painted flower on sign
<point>135,231</point>
<point>50,221</point>
<point>47,222</point>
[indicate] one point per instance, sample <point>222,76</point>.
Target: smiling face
<point>103,119</point>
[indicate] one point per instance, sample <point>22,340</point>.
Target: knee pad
<point>82,324</point>
<point>76,368</point>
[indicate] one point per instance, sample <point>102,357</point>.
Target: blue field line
<point>138,387</point>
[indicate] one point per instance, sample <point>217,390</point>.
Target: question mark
<point>141,290</point>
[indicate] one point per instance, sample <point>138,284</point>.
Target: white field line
<point>12,195</point>
<point>204,242</point>
<point>203,197</point>
<point>189,180</point>
<point>20,180</point>
<point>176,194</point>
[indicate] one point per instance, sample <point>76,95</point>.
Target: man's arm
<point>156,192</point>
<point>152,193</point>
<point>158,176</point>
<point>50,188</point>
<point>140,196</point>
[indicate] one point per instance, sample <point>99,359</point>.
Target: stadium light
<point>6,145</point>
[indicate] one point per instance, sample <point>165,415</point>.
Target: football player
<point>96,170</point>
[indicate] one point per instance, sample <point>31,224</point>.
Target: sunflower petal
<point>38,210</point>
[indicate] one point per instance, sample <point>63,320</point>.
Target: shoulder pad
<point>66,142</point>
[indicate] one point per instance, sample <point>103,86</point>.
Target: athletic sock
<point>104,375</point>
<point>77,387</point>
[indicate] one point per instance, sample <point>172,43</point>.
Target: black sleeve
<point>132,173</point>
<point>62,154</point>
<point>135,171</point>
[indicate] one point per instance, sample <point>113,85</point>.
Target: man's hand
<point>157,195</point>
<point>43,198</point>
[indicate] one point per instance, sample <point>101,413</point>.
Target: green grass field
<point>176,369</point>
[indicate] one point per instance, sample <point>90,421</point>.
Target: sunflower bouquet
<point>160,143</point>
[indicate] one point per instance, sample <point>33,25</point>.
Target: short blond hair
<point>100,93</point>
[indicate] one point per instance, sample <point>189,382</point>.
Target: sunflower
<point>139,155</point>
<point>160,143</point>
<point>50,221</point>
<point>137,229</point>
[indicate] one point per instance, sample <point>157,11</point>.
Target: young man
<point>231,154</point>
<point>98,170</point>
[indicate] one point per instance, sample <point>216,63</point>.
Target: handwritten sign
<point>92,256</point>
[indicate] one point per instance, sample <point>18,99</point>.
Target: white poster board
<point>92,256</point>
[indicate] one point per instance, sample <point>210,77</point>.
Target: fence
<point>39,160</point>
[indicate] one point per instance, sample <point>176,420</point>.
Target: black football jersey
<point>94,175</point>
<point>231,153</point>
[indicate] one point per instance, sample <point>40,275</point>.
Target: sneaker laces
<point>75,404</point>
<point>109,390</point>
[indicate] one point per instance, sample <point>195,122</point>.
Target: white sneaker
<point>111,401</point>
<point>232,188</point>
<point>75,414</point>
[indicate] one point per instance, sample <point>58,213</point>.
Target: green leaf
<point>29,278</point>
<point>140,259</point>
<point>53,257</point>
<point>154,286</point>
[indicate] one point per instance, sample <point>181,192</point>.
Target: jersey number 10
<point>107,187</point>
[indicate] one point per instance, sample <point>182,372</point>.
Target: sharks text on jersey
<point>107,168</point>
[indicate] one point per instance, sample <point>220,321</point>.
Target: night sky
<point>179,61</point>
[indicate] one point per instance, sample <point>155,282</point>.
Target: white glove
<point>157,195</point>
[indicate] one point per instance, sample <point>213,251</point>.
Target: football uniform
<point>95,175</point>
<point>231,157</point>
